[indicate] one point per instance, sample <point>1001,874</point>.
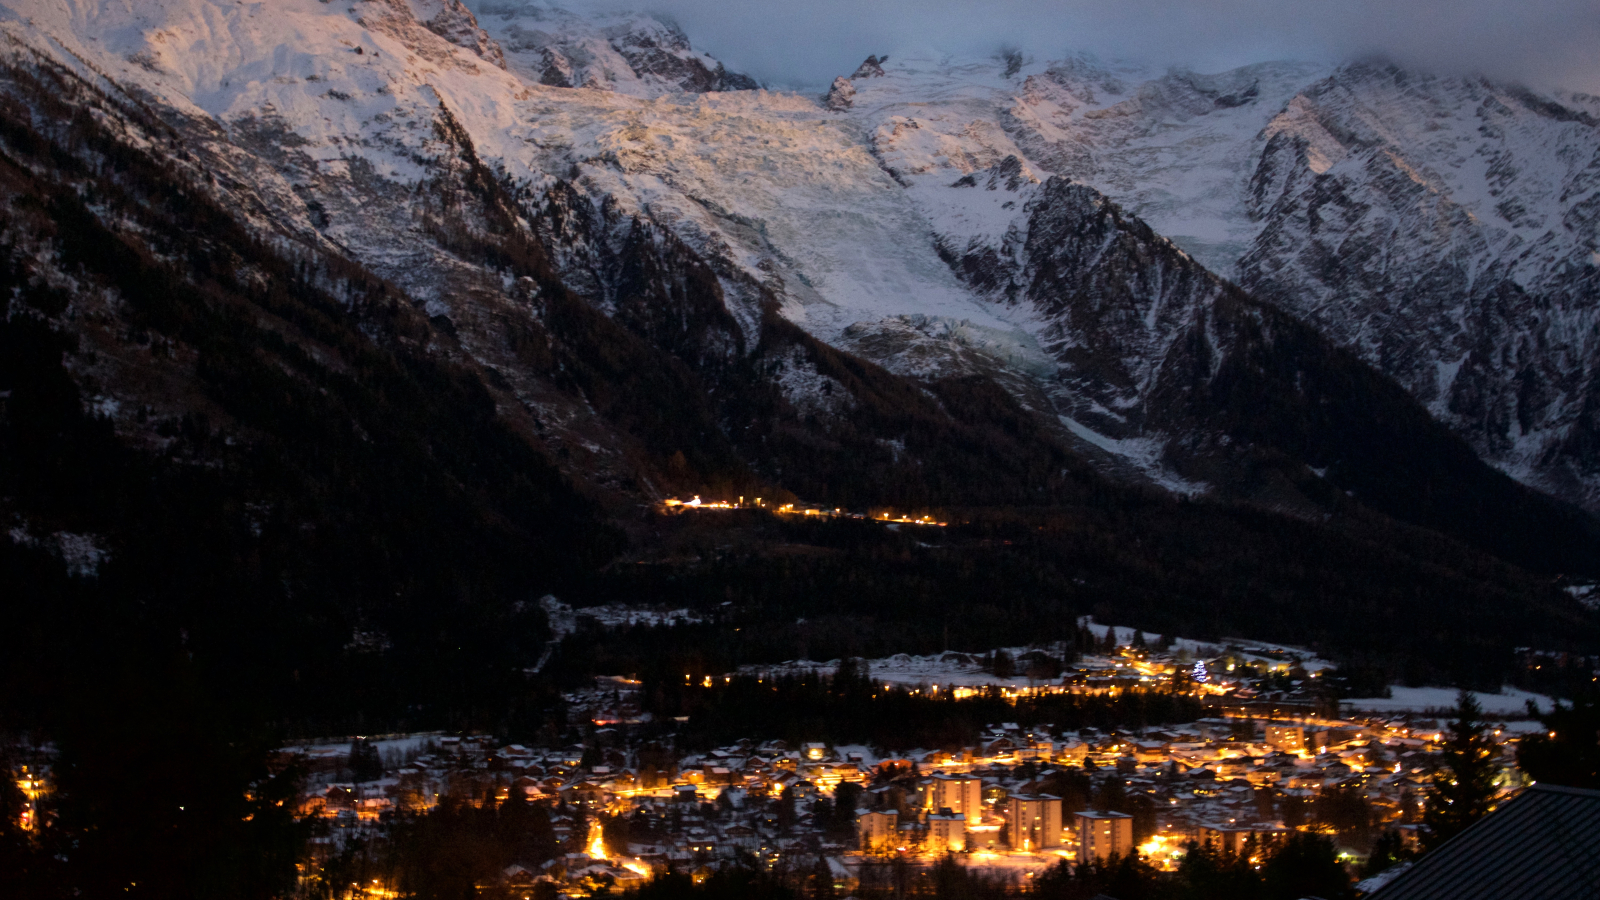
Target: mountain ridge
<point>419,169</point>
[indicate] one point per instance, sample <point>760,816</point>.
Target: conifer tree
<point>1568,752</point>
<point>365,762</point>
<point>1463,789</point>
<point>1387,851</point>
<point>1305,865</point>
<point>1002,665</point>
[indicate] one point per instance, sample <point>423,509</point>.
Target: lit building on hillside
<point>1287,738</point>
<point>1035,821</point>
<point>961,794</point>
<point>877,829</point>
<point>1100,834</point>
<point>1236,839</point>
<point>947,832</point>
<point>1298,739</point>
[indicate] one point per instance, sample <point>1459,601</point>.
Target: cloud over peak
<point>1544,43</point>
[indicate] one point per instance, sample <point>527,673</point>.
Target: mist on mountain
<point>1546,43</point>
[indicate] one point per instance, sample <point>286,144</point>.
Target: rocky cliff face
<point>1442,229</point>
<point>1447,230</point>
<point>455,23</point>
<point>1165,364</point>
<point>633,54</point>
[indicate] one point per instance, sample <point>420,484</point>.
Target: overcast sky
<point>1543,43</point>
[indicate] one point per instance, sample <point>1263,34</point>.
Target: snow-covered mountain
<point>1443,229</point>
<point>1449,231</point>
<point>1062,230</point>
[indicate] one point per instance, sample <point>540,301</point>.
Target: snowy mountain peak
<point>871,67</point>
<point>1444,229</point>
<point>455,23</point>
<point>638,55</point>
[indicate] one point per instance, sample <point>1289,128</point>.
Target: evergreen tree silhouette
<point>1463,789</point>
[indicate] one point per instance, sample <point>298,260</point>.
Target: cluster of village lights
<point>789,509</point>
<point>32,788</point>
<point>377,890</point>
<point>597,850</point>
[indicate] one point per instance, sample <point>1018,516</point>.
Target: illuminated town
<point>623,804</point>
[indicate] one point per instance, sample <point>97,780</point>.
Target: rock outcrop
<point>841,95</point>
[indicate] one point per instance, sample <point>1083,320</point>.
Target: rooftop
<point>1545,843</point>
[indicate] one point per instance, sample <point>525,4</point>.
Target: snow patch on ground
<point>1145,453</point>
<point>564,619</point>
<point>948,669</point>
<point>392,749</point>
<point>1369,885</point>
<point>620,615</point>
<point>1510,700</point>
<point>962,669</point>
<point>83,554</point>
<point>809,391</point>
<point>1262,650</point>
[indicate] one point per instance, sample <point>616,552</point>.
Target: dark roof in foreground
<point>1544,844</point>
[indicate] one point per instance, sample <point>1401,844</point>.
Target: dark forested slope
<point>249,450</point>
